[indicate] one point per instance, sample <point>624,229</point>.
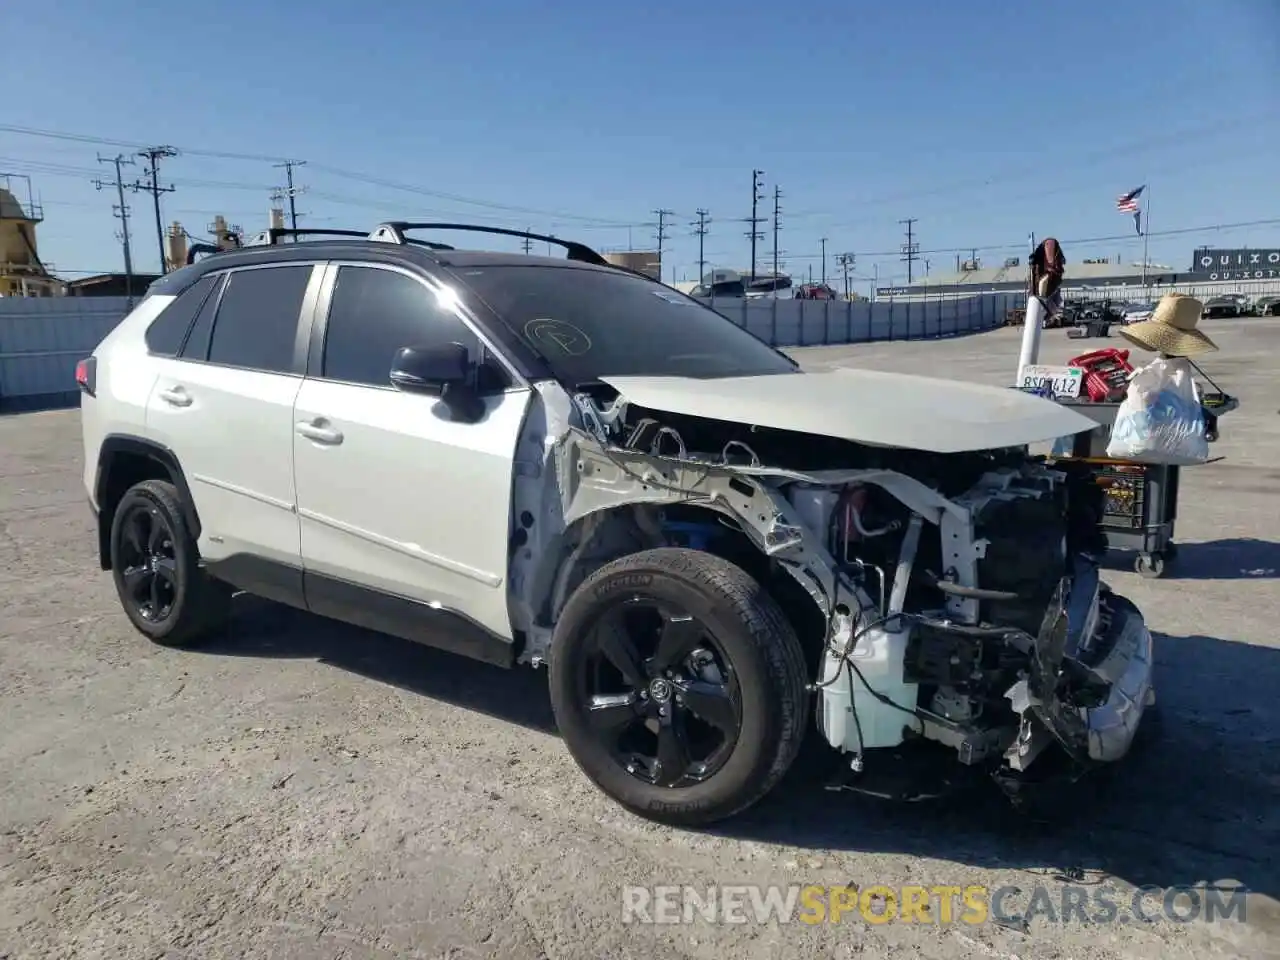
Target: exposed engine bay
<point>958,595</point>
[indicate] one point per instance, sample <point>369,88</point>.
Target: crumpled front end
<point>998,638</point>
<point>959,594</point>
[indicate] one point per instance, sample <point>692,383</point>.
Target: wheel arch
<point>124,460</point>
<point>612,531</point>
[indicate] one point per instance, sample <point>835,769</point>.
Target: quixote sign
<point>1243,264</point>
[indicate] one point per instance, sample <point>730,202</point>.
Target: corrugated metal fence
<point>42,338</point>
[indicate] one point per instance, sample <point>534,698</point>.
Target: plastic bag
<point>1160,419</point>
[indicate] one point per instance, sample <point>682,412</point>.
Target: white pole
<point>1146,231</point>
<point>1031,334</point>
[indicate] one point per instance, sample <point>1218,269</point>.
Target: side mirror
<point>430,370</point>
<point>442,371</point>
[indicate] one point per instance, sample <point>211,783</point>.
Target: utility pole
<point>754,233</point>
<point>910,249</point>
<point>121,211</point>
<point>777,215</point>
<point>823,241</point>
<point>526,242</point>
<point>700,231</point>
<point>290,190</point>
<point>661,235</point>
<point>846,261</point>
<point>151,185</point>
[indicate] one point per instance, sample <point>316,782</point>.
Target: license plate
<point>1064,382</point>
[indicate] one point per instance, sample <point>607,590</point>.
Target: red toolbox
<point>1106,373</point>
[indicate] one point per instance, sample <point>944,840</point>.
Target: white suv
<point>526,459</point>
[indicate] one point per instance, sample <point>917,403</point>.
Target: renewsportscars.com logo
<point>936,904</point>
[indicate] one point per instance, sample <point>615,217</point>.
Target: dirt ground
<point>306,790</point>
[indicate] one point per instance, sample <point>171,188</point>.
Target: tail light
<point>87,375</point>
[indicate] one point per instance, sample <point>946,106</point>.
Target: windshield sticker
<point>559,334</point>
<point>675,298</point>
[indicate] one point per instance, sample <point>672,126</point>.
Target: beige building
<point>648,262</point>
<point>22,273</point>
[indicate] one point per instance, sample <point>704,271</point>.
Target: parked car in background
<point>1137,312</point>
<point>1268,306</point>
<point>1222,307</point>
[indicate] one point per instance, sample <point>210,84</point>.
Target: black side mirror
<point>440,371</point>
<point>430,370</point>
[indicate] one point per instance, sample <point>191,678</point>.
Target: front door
<point>402,511</point>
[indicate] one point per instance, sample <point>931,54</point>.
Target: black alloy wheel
<point>155,563</point>
<point>148,562</point>
<point>678,685</point>
<point>660,693</point>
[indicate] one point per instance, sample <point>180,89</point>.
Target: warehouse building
<point>1210,272</point>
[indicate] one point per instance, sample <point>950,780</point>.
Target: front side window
<point>165,335</point>
<point>257,321</point>
<point>590,324</point>
<point>374,313</point>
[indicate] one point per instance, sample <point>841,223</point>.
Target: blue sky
<point>985,122</point>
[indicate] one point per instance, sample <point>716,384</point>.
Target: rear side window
<point>197,345</point>
<point>166,333</point>
<point>257,321</point>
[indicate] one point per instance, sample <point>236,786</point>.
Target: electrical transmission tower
<point>754,233</point>
<point>700,231</point>
<point>661,234</point>
<point>910,249</point>
<point>777,222</point>
<point>289,191</point>
<point>847,262</point>
<point>121,210</point>
<point>153,156</point>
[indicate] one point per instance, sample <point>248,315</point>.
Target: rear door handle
<point>176,397</point>
<point>317,431</point>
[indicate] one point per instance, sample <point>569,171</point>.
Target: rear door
<point>224,406</point>
<point>403,511</point>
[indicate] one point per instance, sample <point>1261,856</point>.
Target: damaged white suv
<point>559,462</point>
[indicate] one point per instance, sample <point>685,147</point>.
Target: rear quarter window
<point>167,332</point>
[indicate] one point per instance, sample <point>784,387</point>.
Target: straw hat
<point>1171,329</point>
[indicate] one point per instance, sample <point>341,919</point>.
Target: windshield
<point>590,324</point>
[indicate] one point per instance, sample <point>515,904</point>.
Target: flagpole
<point>1146,231</point>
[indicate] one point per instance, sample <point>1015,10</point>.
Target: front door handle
<point>317,430</point>
<point>176,397</point>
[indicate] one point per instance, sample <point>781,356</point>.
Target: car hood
<point>865,406</point>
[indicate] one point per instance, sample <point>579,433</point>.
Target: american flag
<point>1128,202</point>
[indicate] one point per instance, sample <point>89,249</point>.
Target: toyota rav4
<point>560,462</point>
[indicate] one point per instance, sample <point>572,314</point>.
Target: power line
<point>700,231</point>
<point>910,249</point>
<point>121,211</point>
<point>153,155</point>
<point>755,220</point>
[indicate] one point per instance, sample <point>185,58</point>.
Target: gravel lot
<point>306,790</point>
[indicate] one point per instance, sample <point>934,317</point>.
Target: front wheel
<point>678,685</point>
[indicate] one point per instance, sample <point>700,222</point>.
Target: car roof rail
<point>394,232</point>
<point>271,237</point>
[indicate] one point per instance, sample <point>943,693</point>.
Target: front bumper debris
<point>1096,716</point>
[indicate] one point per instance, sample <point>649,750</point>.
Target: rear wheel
<point>156,567</point>
<point>679,685</point>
